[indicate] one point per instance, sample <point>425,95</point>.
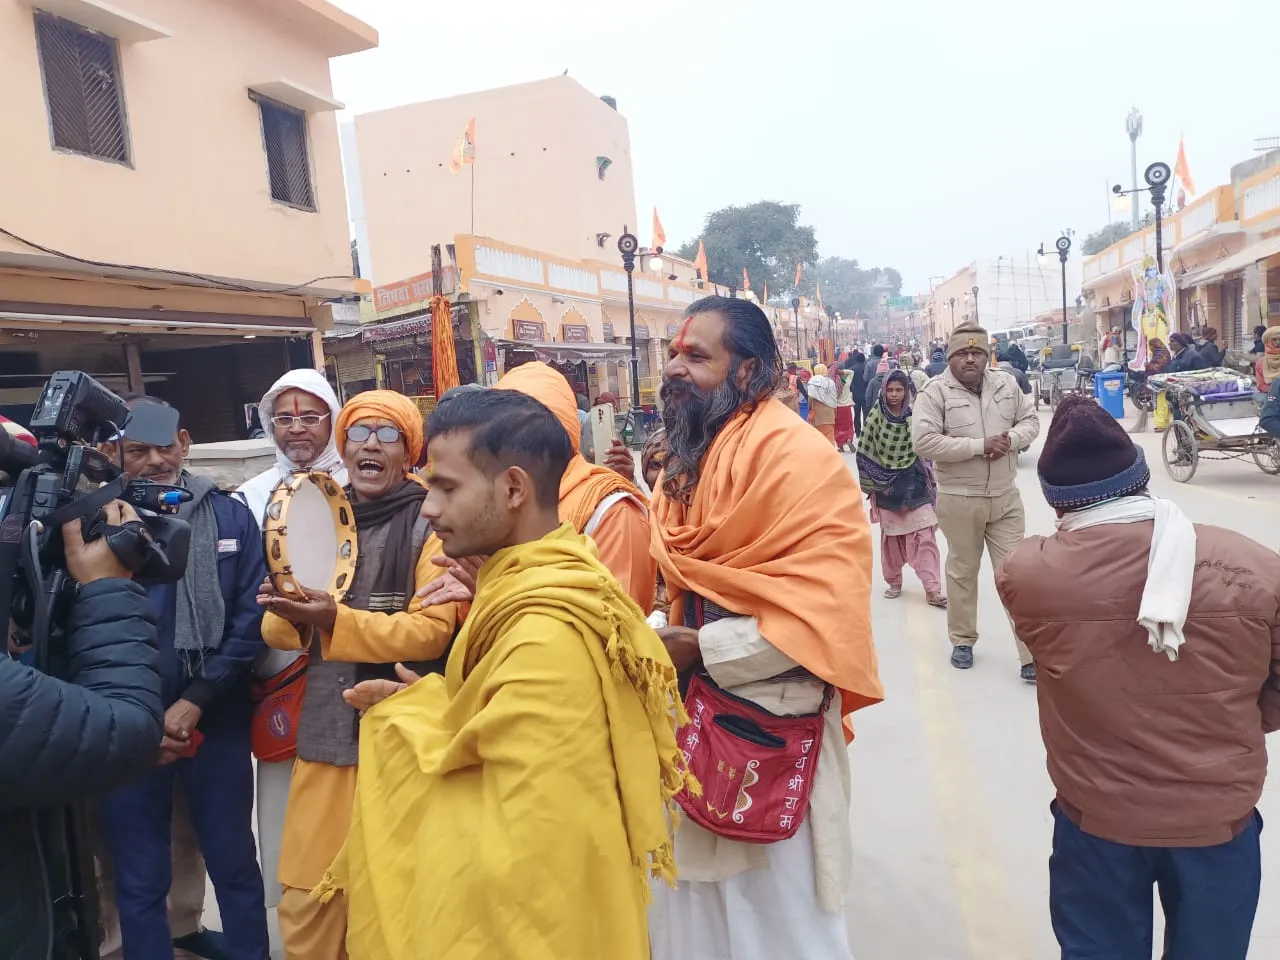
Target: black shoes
<point>210,944</point>
<point>1028,672</point>
<point>962,656</point>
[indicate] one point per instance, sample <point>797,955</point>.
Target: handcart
<point>1214,417</point>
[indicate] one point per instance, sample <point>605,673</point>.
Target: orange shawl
<point>584,484</point>
<point>776,531</point>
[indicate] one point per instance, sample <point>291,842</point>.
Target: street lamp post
<point>953,314</point>
<point>975,304</point>
<point>1157,176</point>
<point>1063,245</point>
<point>628,246</point>
<point>795,313</point>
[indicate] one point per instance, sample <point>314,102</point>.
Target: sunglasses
<point>360,433</point>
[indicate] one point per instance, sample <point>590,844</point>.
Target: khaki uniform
<point>978,499</point>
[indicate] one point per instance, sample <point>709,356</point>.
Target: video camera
<point>66,478</point>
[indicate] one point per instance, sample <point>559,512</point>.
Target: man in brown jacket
<point>972,421</point>
<point>1159,670</point>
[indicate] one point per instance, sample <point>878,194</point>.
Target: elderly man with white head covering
<point>298,413</point>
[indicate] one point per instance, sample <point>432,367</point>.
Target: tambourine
<point>309,534</point>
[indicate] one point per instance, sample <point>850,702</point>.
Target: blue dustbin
<point>1109,389</point>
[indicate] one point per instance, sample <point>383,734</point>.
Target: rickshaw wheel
<point>1267,455</point>
<point>1181,451</point>
<point>1055,394</point>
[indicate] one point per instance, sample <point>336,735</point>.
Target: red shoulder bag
<point>756,768</point>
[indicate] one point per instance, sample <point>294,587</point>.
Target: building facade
<point>1008,292</point>
<point>174,217</point>
<point>1224,253</point>
<point>552,173</point>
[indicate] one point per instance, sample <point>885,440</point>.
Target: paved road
<point>950,814</point>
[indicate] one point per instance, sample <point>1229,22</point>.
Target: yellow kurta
<point>510,808</point>
<point>320,794</point>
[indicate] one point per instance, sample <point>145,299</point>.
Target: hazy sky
<point>918,134</point>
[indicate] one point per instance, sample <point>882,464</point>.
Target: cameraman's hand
<point>87,562</point>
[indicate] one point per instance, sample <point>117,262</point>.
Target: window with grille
<point>284,136</point>
<point>82,89</point>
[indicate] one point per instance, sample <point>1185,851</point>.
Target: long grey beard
<point>691,428</point>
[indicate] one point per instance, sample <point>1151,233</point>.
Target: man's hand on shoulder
<point>88,562</point>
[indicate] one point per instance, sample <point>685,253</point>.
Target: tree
<point>847,289</point>
<point>1099,240</point>
<point>766,238</point>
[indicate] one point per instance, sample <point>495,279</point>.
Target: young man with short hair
<point>516,806</point>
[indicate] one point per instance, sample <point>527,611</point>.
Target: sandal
<point>937,600</point>
<point>893,593</point>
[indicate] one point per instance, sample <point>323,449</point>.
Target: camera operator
<point>61,742</point>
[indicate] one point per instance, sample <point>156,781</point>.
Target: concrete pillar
<point>317,350</point>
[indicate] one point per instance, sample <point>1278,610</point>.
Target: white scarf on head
<point>823,389</point>
<point>1171,563</point>
<point>257,492</point>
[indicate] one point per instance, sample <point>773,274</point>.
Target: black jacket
<point>859,388</point>
<point>1270,419</point>
<point>1189,359</point>
<point>1213,354</point>
<point>937,364</point>
<point>65,742</point>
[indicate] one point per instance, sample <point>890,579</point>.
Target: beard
<point>693,418</point>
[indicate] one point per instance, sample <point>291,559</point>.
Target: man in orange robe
<point>762,540</point>
<point>598,501</point>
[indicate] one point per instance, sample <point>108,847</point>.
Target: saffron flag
<point>1182,170</point>
<point>700,261</point>
<point>799,274</point>
<point>659,235</point>
<point>464,151</point>
<point>765,298</point>
<point>746,281</point>
<point>818,288</point>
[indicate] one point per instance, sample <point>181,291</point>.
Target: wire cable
<point>214,281</point>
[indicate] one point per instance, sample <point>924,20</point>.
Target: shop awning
<point>1246,257</point>
<point>568,351</point>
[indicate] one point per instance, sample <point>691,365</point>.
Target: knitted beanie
<point>1088,458</point>
<point>967,336</point>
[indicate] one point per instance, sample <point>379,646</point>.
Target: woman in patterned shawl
<point>902,491</point>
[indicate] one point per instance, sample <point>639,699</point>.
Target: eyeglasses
<point>360,433</point>
<point>307,419</point>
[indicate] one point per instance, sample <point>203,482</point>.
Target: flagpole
<point>473,196</point>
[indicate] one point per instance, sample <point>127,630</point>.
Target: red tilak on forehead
<point>679,342</point>
<point>297,410</point>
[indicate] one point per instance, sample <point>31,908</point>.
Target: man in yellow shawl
<point>595,500</point>
<point>379,435</point>
<point>762,541</point>
<point>515,808</point>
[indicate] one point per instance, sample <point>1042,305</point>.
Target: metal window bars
<point>284,135</point>
<point>82,89</point>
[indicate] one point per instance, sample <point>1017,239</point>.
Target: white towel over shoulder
<point>1171,564</point>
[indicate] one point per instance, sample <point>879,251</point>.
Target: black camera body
<point>66,478</point>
